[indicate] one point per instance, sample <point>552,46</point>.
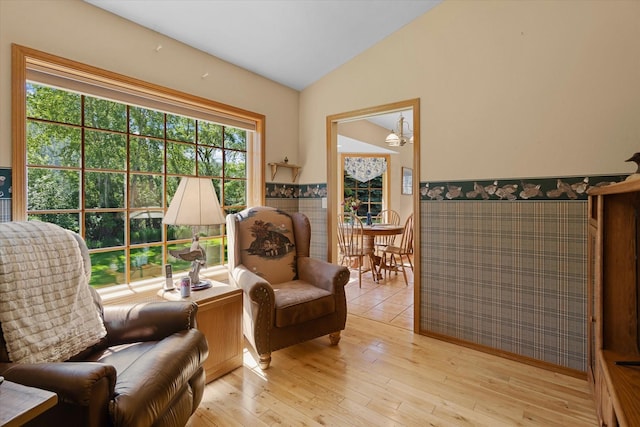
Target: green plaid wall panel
<point>312,207</point>
<point>511,276</point>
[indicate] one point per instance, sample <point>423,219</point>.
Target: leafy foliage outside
<point>108,171</point>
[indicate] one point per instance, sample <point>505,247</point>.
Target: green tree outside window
<point>108,170</point>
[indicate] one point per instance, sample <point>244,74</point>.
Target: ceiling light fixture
<point>399,136</point>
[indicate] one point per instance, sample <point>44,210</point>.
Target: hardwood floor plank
<point>458,416</point>
<point>365,416</point>
<point>381,374</point>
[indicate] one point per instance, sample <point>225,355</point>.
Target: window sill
<point>146,290</point>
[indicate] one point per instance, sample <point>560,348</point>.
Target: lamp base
<point>203,284</point>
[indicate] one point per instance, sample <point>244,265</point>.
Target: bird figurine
<point>636,159</point>
<point>194,254</point>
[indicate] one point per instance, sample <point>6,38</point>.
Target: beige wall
<point>506,88</point>
<point>81,32</point>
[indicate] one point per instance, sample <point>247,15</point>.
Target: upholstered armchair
<point>127,365</point>
<point>288,296</point>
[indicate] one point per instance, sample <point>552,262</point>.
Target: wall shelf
<point>295,170</point>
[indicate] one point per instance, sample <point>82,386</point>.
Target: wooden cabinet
<point>219,318</point>
<point>613,272</point>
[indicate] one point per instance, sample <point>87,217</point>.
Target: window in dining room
<point>364,179</point>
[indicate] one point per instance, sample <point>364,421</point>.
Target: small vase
<point>368,218</point>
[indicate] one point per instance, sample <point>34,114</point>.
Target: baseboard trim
<point>508,355</point>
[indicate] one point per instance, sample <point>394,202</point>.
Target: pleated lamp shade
<point>195,203</point>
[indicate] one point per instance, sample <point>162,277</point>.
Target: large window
<point>107,169</point>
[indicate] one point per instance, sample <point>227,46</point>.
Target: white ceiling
<point>294,43</point>
<point>350,145</point>
<point>388,121</point>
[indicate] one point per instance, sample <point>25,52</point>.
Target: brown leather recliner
<point>147,371</point>
<point>289,297</point>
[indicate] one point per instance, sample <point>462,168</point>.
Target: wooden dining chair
<point>351,243</point>
<point>387,216</point>
<point>393,256</point>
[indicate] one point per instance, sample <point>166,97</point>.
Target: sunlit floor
<point>382,374</point>
<point>390,301</point>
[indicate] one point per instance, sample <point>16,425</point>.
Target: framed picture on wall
<point>407,181</point>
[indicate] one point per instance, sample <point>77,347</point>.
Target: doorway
<point>334,195</point>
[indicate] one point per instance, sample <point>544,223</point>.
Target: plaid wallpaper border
<point>510,276</point>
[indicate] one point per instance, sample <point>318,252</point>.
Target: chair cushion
<point>298,301</point>
<point>267,243</point>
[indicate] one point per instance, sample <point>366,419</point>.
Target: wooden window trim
<point>25,59</point>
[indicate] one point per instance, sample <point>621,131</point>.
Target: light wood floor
<point>381,374</point>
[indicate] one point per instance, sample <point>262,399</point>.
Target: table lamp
<point>195,203</point>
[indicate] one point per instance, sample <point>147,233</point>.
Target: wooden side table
<point>219,318</point>
<point>20,404</point>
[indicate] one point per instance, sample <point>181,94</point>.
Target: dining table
<point>369,233</point>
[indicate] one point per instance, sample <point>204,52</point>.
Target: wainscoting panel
<point>507,275</point>
<point>287,205</point>
<point>5,210</point>
<point>312,207</point>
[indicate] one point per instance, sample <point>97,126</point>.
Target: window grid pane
<point>370,194</point>
<point>133,160</point>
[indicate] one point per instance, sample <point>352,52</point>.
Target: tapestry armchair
<point>289,297</point>
<point>127,365</point>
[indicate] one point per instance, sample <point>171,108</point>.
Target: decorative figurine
<point>196,255</point>
<point>286,159</point>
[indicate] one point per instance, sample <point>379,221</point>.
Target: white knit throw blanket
<point>46,307</point>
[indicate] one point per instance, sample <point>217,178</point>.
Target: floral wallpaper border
<point>565,188</point>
